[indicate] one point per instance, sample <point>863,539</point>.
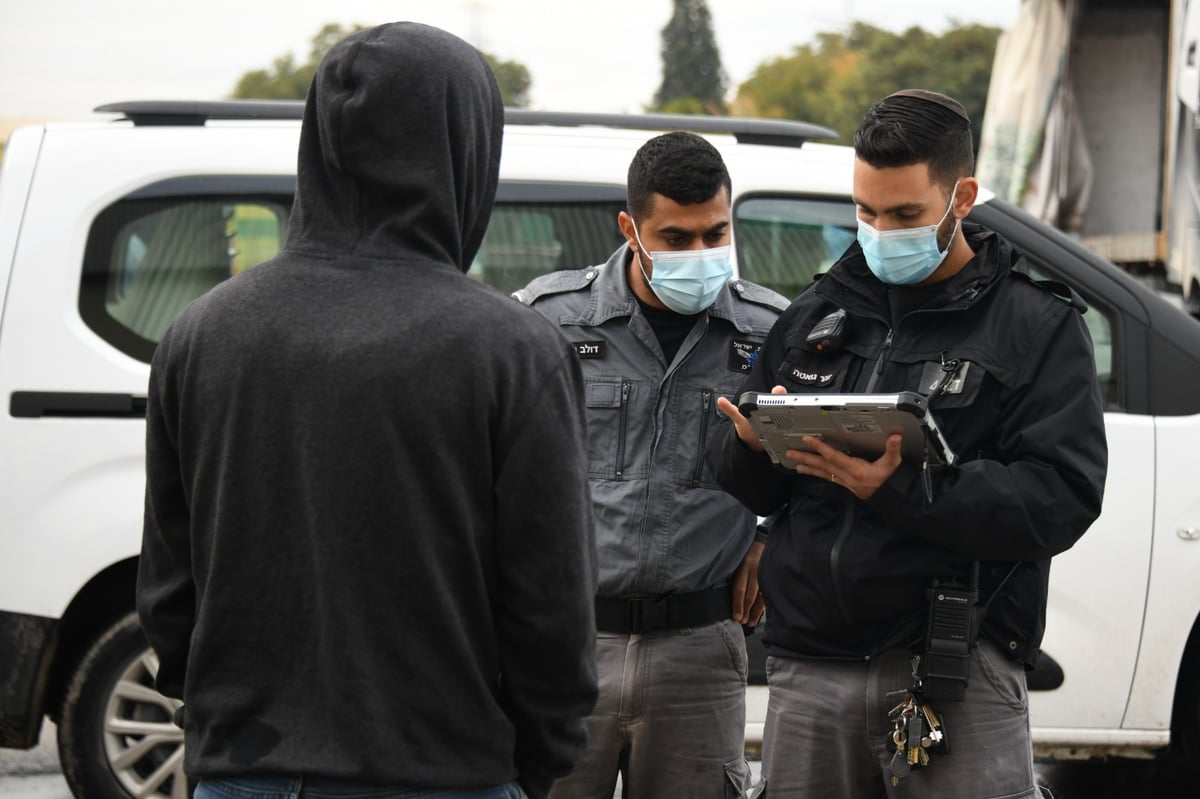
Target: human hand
<point>741,424</point>
<point>861,477</point>
<point>748,603</point>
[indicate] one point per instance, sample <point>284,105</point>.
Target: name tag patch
<point>742,355</point>
<point>819,379</point>
<point>591,349</point>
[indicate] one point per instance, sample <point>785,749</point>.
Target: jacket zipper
<point>835,553</point>
<point>881,360</point>
<point>621,429</point>
<point>706,399</point>
<point>848,518</point>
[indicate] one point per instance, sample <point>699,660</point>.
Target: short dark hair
<point>681,166</point>
<point>915,126</point>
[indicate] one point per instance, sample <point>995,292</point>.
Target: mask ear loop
<point>641,253</point>
<point>949,210</point>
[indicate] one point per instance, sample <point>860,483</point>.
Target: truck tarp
<point>1033,151</point>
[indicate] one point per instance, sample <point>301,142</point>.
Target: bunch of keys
<point>916,729</point>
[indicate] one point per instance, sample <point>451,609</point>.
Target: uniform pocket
<point>1005,676</point>
<point>608,426</point>
<point>735,642</point>
<point>737,779</point>
<point>699,425</point>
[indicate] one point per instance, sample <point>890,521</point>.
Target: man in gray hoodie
<point>368,557</point>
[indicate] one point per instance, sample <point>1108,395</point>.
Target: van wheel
<point>117,738</point>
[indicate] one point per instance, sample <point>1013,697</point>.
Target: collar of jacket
<point>611,296</point>
<point>851,285</point>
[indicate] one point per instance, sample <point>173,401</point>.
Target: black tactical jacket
<point>847,578</point>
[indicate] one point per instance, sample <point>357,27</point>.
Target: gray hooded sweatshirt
<point>368,549</point>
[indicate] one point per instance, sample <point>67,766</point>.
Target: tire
<point>117,738</point>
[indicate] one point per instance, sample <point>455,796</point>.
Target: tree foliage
<point>693,80</point>
<point>514,81</point>
<point>287,80</point>
<point>836,80</point>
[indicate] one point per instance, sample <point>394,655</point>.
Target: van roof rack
<point>779,132</point>
<point>197,112</point>
<point>747,130</point>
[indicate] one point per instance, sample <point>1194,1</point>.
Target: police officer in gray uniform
<point>662,330</point>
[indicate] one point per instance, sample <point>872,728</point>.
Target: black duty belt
<point>669,612</point>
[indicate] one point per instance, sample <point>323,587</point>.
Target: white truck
<point>1092,126</point>
<point>108,228</point>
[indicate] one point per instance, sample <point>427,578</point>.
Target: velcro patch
<point>742,355</point>
<point>933,373</point>
<point>591,349</point>
<point>819,379</point>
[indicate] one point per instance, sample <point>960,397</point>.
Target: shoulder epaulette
<point>556,283</point>
<point>760,295</point>
<point>1058,289</point>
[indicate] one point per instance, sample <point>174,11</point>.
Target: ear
<point>625,222</point>
<point>964,197</point>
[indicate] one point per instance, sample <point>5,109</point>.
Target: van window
<point>783,242</point>
<point>147,259</point>
<point>525,240</point>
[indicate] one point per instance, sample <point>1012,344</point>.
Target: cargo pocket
<point>608,426</point>
<point>699,426</point>
<point>737,779</point>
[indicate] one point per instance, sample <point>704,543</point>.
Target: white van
<point>108,229</point>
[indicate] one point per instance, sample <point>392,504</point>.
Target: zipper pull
<point>887,345</point>
<point>880,361</point>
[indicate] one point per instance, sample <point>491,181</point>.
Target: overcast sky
<point>61,58</point>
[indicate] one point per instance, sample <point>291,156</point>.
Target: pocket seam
<point>996,679</point>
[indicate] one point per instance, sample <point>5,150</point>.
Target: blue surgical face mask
<point>908,255</point>
<point>687,281</point>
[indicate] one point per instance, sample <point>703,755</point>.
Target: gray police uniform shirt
<point>664,525</point>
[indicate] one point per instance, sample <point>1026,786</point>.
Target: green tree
<point>514,80</point>
<point>693,79</point>
<point>836,79</point>
<point>287,80</point>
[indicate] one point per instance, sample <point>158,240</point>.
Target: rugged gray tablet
<point>857,424</point>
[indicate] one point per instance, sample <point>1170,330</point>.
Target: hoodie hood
<point>399,148</point>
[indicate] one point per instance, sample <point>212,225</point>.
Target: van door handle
<point>77,404</point>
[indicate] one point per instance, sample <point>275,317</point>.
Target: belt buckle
<point>647,615</point>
